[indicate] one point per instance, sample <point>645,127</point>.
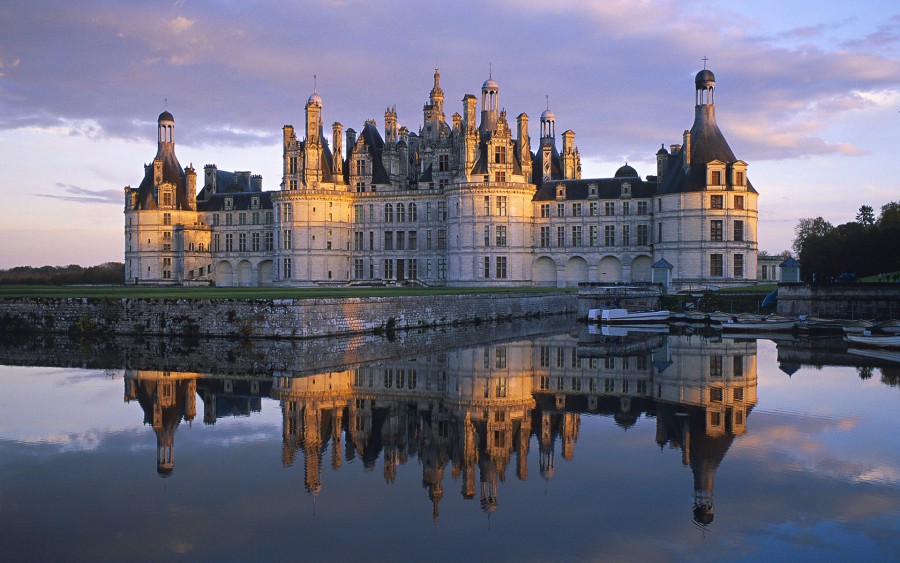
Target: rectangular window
<point>609,235</point>
<point>442,239</point>
<point>286,239</point>
<point>738,179</point>
<point>229,242</point>
<point>286,268</point>
<point>642,208</point>
<point>715,396</point>
<point>442,211</point>
<point>739,231</point>
<point>401,240</point>
<point>358,268</point>
<point>428,216</point>
<point>487,205</point>
<point>501,235</point>
<point>738,265</point>
<point>560,209</point>
<point>371,240</point>
<point>716,202</point>
<point>715,230</point>
<point>242,242</point>
<point>738,202</point>
<point>592,235</point>
<point>269,218</point>
<point>659,232</point>
<point>358,213</point>
<point>255,242</point>
<point>242,218</point>
<point>358,240</point>
<point>609,208</point>
<point>428,243</point>
<point>576,236</point>
<point>442,268</point>
<point>215,220</point>
<point>499,155</point>
<point>626,208</point>
<point>545,237</point>
<point>487,235</point>
<point>487,267</point>
<point>270,240</point>
<point>228,219</point>
<point>444,163</point>
<point>501,205</point>
<point>501,267</point>
<point>388,240</point>
<point>626,235</point>
<point>413,238</point>
<point>715,265</point>
<point>255,217</point>
<point>715,178</point>
<point>560,236</point>
<point>388,269</point>
<point>642,235</point>
<point>738,365</point>
<point>545,210</point>
<point>594,208</point>
<point>167,218</point>
<point>576,210</point>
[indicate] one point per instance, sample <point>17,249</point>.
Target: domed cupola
<point>490,104</point>
<point>705,84</point>
<point>548,123</point>
<point>166,132</point>
<point>626,172</point>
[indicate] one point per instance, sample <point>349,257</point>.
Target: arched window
<point>388,213</point>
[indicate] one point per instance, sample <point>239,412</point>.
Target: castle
<point>464,203</point>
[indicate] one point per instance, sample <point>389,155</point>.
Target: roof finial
<point>547,96</point>
<point>166,104</point>
<point>315,84</point>
<point>490,69</point>
<point>704,62</point>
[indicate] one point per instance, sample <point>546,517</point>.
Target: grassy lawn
<point>121,291</point>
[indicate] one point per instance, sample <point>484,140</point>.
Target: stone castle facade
<point>459,203</point>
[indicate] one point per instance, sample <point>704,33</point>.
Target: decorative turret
<point>165,134</point>
<point>437,96</point>
<point>490,104</point>
<point>337,138</point>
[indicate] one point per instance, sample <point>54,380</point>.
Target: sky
<point>807,94</point>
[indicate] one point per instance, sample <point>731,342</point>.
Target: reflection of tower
<point>166,398</point>
<point>546,446</point>
<point>470,454</point>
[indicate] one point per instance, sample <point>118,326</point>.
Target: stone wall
<point>879,301</point>
<point>272,318</point>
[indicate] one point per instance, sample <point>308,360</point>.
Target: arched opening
<point>640,269</point>
<point>543,272</point>
<point>265,272</point>
<point>244,273</point>
<point>224,274</point>
<point>576,271</point>
<point>610,269</point>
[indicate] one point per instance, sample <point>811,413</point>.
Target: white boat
<point>890,327</point>
<point>626,316</point>
<point>858,327</point>
<point>878,340</point>
<point>772,323</point>
<point>720,317</point>
<point>877,353</point>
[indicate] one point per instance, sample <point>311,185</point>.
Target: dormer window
<point>626,189</point>
<point>592,190</point>
<point>254,202</point>
<point>715,177</point>
<point>229,203</point>
<point>560,192</point>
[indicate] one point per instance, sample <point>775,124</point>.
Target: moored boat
<point>626,316</point>
<point>877,340</point>
<point>889,327</point>
<point>755,323</point>
<point>858,327</point>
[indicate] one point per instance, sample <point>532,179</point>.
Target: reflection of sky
<point>75,408</point>
<point>798,484</point>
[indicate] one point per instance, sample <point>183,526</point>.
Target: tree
<point>808,229</point>
<point>866,216</point>
<point>890,215</point>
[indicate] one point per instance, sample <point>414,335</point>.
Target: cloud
<point>78,194</point>
<point>180,24</point>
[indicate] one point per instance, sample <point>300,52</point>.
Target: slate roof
<point>241,201</point>
<point>537,166</point>
<point>607,188</point>
<point>172,172</point>
<point>707,144</point>
<point>375,145</point>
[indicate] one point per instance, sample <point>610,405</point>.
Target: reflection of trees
<point>890,376</point>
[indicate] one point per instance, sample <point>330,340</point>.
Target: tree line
<point>73,274</point>
<point>868,246</point>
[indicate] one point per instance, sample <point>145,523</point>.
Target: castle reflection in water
<point>472,412</point>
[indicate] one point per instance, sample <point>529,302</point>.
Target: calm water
<point>529,442</point>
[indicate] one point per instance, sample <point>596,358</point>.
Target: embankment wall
<point>271,318</point>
